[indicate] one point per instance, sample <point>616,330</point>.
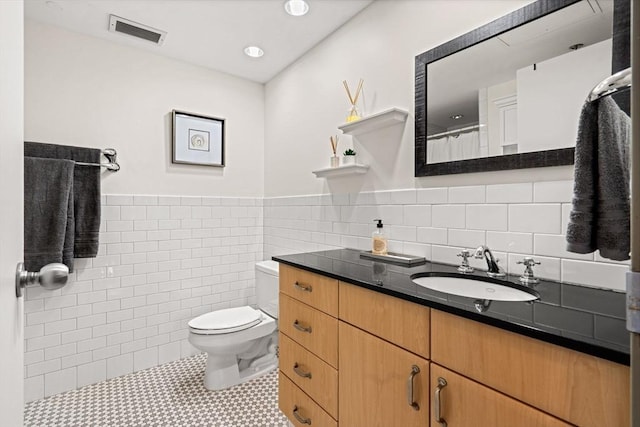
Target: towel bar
<point>111,155</point>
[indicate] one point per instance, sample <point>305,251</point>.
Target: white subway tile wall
<point>162,261</point>
<point>514,220</point>
<point>166,259</point>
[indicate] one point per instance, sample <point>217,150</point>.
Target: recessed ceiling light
<point>456,116</point>
<point>253,51</point>
<point>296,7</point>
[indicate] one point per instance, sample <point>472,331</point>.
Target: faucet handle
<point>465,254</point>
<point>464,265</point>
<point>528,262</point>
<point>528,277</point>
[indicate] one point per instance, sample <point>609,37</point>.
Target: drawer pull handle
<point>301,287</point>
<point>414,371</point>
<point>301,328</point>
<point>300,372</point>
<point>300,418</point>
<point>442,383</point>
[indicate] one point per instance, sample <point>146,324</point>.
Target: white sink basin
<point>474,288</point>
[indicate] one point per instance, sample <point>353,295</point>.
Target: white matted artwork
<point>198,139</point>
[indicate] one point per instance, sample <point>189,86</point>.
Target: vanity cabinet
<point>356,357</point>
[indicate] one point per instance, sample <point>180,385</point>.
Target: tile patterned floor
<point>167,395</point>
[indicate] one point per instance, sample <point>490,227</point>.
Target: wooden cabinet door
<point>374,382</point>
<point>584,390</point>
<point>465,403</point>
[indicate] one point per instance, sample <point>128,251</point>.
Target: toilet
<point>241,342</point>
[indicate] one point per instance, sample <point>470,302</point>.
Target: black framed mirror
<point>508,95</point>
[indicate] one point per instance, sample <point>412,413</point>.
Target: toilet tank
<point>267,287</point>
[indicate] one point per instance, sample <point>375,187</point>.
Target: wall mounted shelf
<point>341,170</point>
<point>376,121</point>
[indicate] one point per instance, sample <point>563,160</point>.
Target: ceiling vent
<point>135,29</point>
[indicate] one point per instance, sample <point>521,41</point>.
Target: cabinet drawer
<point>315,377</point>
<point>400,322</point>
<point>298,407</point>
<point>466,403</point>
<point>576,387</point>
<point>311,328</point>
<point>313,289</point>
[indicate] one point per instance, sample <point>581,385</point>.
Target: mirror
<point>508,95</point>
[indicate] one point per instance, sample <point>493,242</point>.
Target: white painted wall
<point>11,166</point>
<point>84,91</point>
<point>306,102</point>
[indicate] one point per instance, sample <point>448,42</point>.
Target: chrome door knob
<point>51,277</point>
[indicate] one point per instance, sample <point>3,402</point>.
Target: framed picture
<point>197,139</point>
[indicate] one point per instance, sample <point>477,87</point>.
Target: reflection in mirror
<point>520,91</point>
<point>507,95</point>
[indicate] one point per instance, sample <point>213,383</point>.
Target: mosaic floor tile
<point>168,395</point>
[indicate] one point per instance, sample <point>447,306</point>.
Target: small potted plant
<point>349,157</point>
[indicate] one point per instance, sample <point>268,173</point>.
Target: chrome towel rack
<point>612,84</point>
<point>112,157</point>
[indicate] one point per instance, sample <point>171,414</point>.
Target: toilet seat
<point>226,321</point>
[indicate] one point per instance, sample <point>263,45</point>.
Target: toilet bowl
<point>241,342</point>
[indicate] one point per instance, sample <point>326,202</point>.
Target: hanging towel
<point>86,192</point>
<point>48,212</point>
<point>600,214</point>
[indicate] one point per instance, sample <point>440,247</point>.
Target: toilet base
<point>224,372</point>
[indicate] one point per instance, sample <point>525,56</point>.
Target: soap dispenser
<point>379,240</point>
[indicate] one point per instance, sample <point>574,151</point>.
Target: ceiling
<point>209,33</point>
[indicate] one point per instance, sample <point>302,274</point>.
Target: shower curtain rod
<point>454,131</point>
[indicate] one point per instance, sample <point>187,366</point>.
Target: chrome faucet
<point>493,270</point>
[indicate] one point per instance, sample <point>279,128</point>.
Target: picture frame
<point>198,139</point>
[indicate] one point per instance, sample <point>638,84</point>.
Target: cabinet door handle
<point>414,371</point>
<point>300,372</point>
<point>301,328</point>
<point>442,383</point>
<point>299,417</point>
<point>303,288</point>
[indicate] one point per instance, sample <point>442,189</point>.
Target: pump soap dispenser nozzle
<point>379,240</point>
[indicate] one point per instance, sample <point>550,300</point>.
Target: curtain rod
<point>454,131</point>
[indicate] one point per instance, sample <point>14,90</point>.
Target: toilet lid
<point>228,319</point>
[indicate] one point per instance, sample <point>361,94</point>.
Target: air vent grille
<point>135,29</point>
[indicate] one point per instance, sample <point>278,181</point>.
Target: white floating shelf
<point>374,122</point>
<point>341,170</point>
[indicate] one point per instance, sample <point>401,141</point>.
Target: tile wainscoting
<point>165,259</point>
<point>514,220</point>
<point>162,261</point>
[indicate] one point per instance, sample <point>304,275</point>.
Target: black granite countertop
<point>580,318</point>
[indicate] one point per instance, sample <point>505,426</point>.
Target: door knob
<point>51,277</point>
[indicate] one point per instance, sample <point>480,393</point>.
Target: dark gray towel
<point>48,212</point>
<point>86,192</point>
<point>600,215</point>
